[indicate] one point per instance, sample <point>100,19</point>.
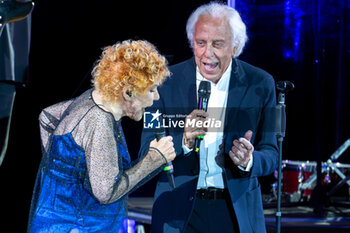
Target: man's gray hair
<point>217,10</point>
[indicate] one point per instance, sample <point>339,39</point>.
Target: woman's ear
<point>127,94</point>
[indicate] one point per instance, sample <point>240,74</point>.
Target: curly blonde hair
<point>134,64</point>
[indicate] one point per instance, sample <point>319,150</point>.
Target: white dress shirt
<point>211,174</point>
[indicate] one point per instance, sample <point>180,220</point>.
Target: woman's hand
<point>165,146</point>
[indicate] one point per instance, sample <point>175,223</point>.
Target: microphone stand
<point>283,87</point>
<point>281,120</point>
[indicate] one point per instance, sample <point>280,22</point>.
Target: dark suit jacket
<point>250,106</point>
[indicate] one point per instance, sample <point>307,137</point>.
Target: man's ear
<point>234,51</point>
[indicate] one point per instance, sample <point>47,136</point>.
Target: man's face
<point>212,44</point>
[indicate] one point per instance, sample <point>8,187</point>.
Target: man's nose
<point>208,52</point>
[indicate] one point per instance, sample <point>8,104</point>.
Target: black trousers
<point>212,216</point>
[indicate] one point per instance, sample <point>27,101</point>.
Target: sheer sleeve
<point>49,119</point>
<point>108,178</point>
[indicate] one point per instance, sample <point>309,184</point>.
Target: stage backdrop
<point>306,42</point>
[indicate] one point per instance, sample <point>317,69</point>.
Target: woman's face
<point>136,107</point>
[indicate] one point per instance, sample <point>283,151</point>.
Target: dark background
<point>306,43</point>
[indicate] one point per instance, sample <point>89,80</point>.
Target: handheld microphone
<point>169,169</point>
<point>203,99</point>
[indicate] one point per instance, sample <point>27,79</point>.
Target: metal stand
<point>280,135</point>
<point>279,178</point>
<point>331,163</point>
<point>283,87</point>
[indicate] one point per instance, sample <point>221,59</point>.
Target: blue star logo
<point>156,115</point>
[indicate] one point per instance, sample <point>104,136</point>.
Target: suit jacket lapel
<point>188,85</point>
<point>237,90</point>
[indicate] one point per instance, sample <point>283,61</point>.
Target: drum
<point>296,177</point>
<point>294,174</point>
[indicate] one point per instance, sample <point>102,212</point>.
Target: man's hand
<point>190,133</point>
<point>242,150</point>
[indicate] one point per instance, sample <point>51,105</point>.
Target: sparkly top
<point>85,173</point>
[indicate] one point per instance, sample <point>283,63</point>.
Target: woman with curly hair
<point>86,174</point>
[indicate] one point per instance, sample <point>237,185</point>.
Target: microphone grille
<point>204,89</point>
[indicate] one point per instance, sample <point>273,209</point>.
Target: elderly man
<point>217,188</point>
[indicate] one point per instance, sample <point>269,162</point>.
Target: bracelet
<point>153,148</point>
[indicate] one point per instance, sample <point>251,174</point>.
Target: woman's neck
<point>114,108</point>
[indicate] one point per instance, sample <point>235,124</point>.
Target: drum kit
<point>299,177</point>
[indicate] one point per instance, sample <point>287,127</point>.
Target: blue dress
<point>83,179</point>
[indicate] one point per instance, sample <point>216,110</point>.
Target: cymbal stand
<point>331,163</point>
